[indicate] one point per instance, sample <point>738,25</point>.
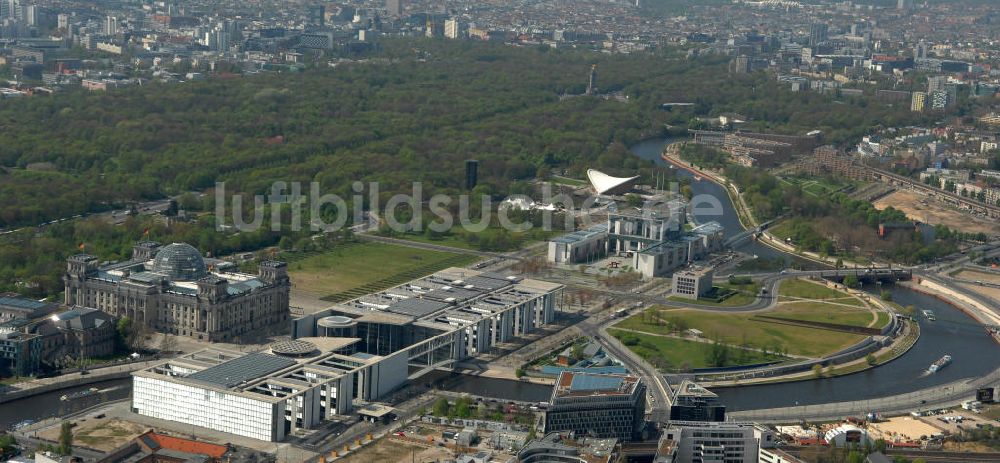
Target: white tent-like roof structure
<point>606,184</point>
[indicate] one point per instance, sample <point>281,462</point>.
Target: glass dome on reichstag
<point>180,261</point>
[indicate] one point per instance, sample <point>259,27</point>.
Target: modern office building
<point>471,173</point>
<point>173,289</point>
<point>111,26</point>
<point>561,448</point>
<point>692,283</point>
<point>692,402</point>
<point>585,245</point>
<point>708,442</point>
<point>918,102</point>
<point>451,28</point>
<point>818,33</point>
<point>597,405</point>
<point>345,357</point>
<point>20,353</point>
<point>394,8</point>
<point>740,65</point>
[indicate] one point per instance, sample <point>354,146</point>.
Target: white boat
<point>941,363</point>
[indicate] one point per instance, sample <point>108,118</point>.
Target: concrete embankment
<point>42,385</point>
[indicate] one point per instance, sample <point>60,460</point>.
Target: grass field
<point>680,354</point>
<point>815,186</point>
<point>805,289</point>
<point>734,328</point>
<point>486,240</point>
<point>824,313</point>
<point>367,267</point>
<point>567,181</point>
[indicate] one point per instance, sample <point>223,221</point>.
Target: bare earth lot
<point>936,213</point>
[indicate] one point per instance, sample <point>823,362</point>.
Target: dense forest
<point>412,111</point>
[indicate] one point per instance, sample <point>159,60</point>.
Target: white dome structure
<point>605,184</point>
<point>847,435</point>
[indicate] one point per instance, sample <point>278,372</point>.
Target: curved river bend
<point>954,333</point>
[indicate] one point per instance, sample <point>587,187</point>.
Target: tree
<point>168,343</point>
<point>817,370</point>
<point>633,200</point>
<point>718,355</point>
<point>871,360</point>
<point>840,263</point>
<point>886,295</point>
<point>851,281</point>
<point>441,407</point>
<point>66,438</point>
<point>518,373</point>
<point>462,409</point>
<point>7,445</point>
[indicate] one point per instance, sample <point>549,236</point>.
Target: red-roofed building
<point>152,447</point>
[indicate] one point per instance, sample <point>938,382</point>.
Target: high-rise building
<point>920,50</point>
<point>471,173</point>
<point>592,82</point>
<point>451,29</point>
<point>394,8</point>
<point>317,15</point>
<point>111,25</point>
<point>597,405</point>
<point>939,99</point>
<point>904,5</point>
<point>740,65</point>
<point>818,33</point>
<point>62,22</point>
<point>936,83</point>
<point>918,101</point>
<point>30,14</point>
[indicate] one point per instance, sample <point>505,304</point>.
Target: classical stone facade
<point>171,289</point>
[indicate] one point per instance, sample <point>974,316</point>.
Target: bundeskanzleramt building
<point>597,405</point>
<point>172,290</point>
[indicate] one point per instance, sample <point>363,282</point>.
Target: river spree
<point>953,333</point>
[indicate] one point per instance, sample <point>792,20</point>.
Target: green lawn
<point>883,319</point>
<point>782,229</point>
<point>668,353</point>
<point>798,288</point>
<point>734,328</point>
<point>824,313</point>
<point>745,294</point>
<point>490,239</point>
<point>567,181</point>
<point>360,265</point>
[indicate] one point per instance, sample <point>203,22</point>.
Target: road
<point>657,387</point>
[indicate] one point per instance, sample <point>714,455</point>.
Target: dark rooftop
<point>416,307</point>
<point>242,369</point>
